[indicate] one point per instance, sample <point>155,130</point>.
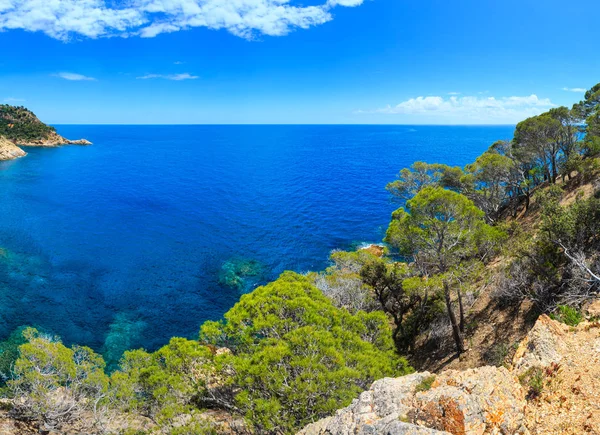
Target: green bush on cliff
<point>56,384</point>
<point>163,385</point>
<point>296,357</point>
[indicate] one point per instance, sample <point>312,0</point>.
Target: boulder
<point>487,400</point>
<point>9,151</point>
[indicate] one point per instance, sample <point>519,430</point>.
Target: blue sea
<point>155,229</point>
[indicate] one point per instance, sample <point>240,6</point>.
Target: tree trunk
<point>461,311</point>
<point>460,345</point>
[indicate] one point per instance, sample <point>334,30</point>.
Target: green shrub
<point>567,315</point>
<point>533,380</point>
<point>497,354</point>
<point>296,357</point>
<point>425,384</point>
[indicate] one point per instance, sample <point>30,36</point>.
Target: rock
<point>80,142</point>
<point>487,400</point>
<point>9,151</point>
<point>592,308</point>
<point>376,250</point>
<point>541,346</point>
<point>54,140</point>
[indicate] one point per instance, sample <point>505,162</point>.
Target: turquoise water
<point>155,229</point>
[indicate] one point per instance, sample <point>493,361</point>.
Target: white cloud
<point>453,93</point>
<point>14,100</point>
<point>471,109</point>
<point>176,77</point>
<point>74,77</point>
<point>65,19</point>
<point>578,90</point>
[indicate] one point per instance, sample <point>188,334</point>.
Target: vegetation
<point>533,380</point>
<point>567,315</point>
<point>441,232</point>
<point>292,357</point>
<point>19,124</point>
<point>425,384</point>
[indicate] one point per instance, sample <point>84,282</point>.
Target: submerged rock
<point>124,333</point>
<point>237,273</point>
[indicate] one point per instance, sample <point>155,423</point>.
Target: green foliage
<point>9,352</point>
<point>496,355</point>
<point>55,382</point>
<point>567,315</point>
<point>437,230</point>
<point>490,182</point>
<point>163,385</point>
<point>410,300</point>
<point>343,285</point>
<point>19,124</point>
<point>420,175</point>
<point>296,357</point>
<point>533,380</point>
<point>442,232</point>
<point>425,384</point>
<point>576,227</point>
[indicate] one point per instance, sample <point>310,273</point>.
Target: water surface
<point>155,229</point>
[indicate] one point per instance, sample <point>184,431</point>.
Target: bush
<point>496,355</point>
<point>533,380</point>
<point>567,315</point>
<point>425,384</point>
<point>296,357</point>
<point>56,384</point>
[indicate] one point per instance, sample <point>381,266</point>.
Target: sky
<point>296,61</point>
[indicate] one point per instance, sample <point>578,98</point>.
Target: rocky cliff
<point>20,127</point>
<point>9,150</point>
<point>551,387</point>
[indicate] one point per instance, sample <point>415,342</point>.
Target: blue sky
<point>286,61</point>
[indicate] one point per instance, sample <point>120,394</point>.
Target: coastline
<point>10,150</point>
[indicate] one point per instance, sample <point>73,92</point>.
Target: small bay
<point>155,229</point>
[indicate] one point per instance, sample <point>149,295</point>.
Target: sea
<point>153,230</point>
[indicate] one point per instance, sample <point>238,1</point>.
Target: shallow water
<point>139,237</point>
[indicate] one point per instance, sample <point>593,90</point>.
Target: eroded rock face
<point>9,150</point>
<point>54,140</point>
<point>487,400</point>
<point>491,400</point>
<point>541,347</point>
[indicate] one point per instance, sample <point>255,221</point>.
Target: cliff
<point>20,126</point>
<point>551,387</point>
<point>9,150</point>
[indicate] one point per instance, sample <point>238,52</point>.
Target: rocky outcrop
<point>567,360</point>
<point>376,250</point>
<point>478,401</point>
<point>9,150</point>
<point>53,140</point>
<point>490,400</point>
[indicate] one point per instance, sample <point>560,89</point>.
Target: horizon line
<point>287,124</point>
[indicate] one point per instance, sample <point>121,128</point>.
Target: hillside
<point>551,386</point>
<point>21,127</point>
